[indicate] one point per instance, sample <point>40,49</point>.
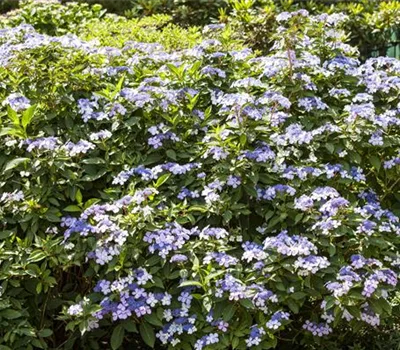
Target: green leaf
<point>200,208</point>
<point>78,196</point>
<point>14,163</point>
<point>171,154</point>
<point>147,333</point>
<point>95,160</point>
<point>330,302</point>
<point>96,176</point>
<point>27,116</point>
<point>13,115</point>
<point>332,249</point>
<point>243,139</point>
<point>37,255</point>
<point>293,306</point>
<point>227,215</point>
<point>385,305</point>
<point>247,303</point>
<point>190,283</point>
<point>250,190</point>
<point>228,312</point>
<point>376,162</point>
<point>178,71</point>
<point>235,342</point>
<point>72,208</point>
<point>118,87</point>
<point>354,311</point>
<point>6,234</point>
<point>130,326</point>
<point>298,217</point>
<point>91,202</point>
<point>10,314</point>
<point>207,303</point>
<point>153,319</point>
<point>162,179</point>
<point>213,275</point>
<point>14,131</point>
<point>117,337</point>
<point>380,305</point>
<point>330,147</point>
<point>298,295</point>
<point>45,333</point>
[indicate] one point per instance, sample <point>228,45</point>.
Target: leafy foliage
<point>183,12</point>
<point>52,18</point>
<point>116,31</point>
<point>202,195</point>
<point>372,26</point>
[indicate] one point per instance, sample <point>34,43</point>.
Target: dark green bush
<point>8,5</point>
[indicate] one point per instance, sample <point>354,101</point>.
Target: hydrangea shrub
<point>207,198</point>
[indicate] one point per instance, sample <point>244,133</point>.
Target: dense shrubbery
<point>372,26</point>
<point>197,195</point>
<point>116,31</point>
<point>92,23</point>
<point>53,18</point>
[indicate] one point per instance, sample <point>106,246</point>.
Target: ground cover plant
<point>198,196</point>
